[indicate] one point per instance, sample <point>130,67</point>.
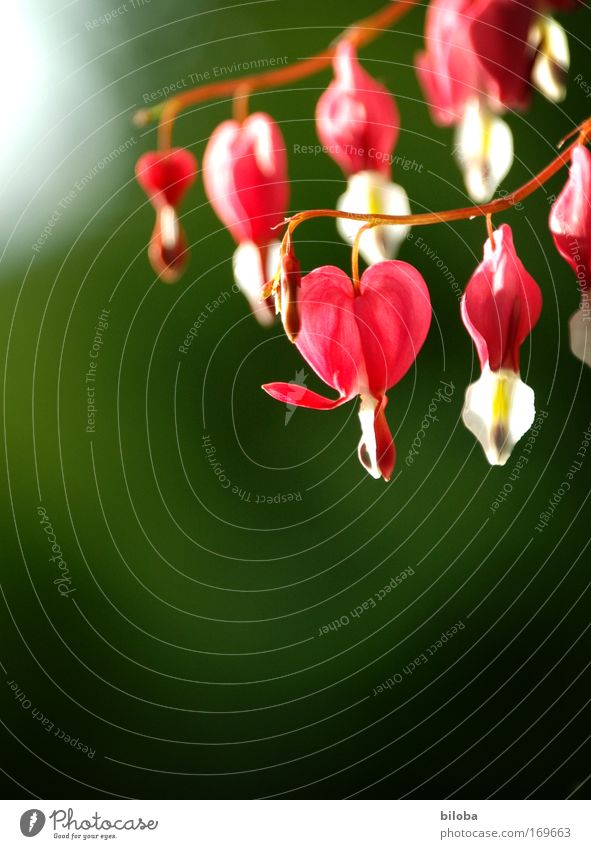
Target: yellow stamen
<point>501,402</point>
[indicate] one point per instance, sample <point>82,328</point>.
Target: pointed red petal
<point>299,396</point>
<point>385,444</point>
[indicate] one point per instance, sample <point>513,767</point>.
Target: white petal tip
<point>250,276</point>
<point>484,150</point>
<point>498,410</point>
<point>367,449</point>
<point>552,62</point>
<point>370,191</point>
<point>580,334</point>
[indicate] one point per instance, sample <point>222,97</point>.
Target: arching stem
<point>361,33</point>
<point>463,213</point>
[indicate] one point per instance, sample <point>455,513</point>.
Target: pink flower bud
<point>356,118</point>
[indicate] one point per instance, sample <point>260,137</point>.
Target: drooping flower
<point>356,117</point>
<point>358,123</point>
<point>481,58</point>
<point>165,176</point>
<point>245,177</point>
<point>570,225</point>
<point>500,306</point>
<point>360,341</point>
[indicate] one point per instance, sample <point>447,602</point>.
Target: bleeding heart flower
<point>570,225</point>
<point>165,177</point>
<point>245,177</point>
<point>500,307</point>
<point>360,341</point>
<point>358,123</point>
<point>481,58</point>
<point>356,117</point>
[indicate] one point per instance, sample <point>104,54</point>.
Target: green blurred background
<point>187,655</point>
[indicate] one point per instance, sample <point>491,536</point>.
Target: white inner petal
<point>370,192</point>
<point>484,150</point>
<point>553,60</point>
<point>367,449</point>
<point>169,227</point>
<point>498,410</point>
<point>250,275</point>
<point>580,333</point>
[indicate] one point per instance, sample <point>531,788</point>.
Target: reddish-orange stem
<point>488,209</point>
<point>490,230</point>
<point>499,205</point>
<point>355,253</point>
<point>360,33</point>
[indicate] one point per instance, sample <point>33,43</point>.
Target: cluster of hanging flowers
<point>483,58</point>
<point>362,333</point>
